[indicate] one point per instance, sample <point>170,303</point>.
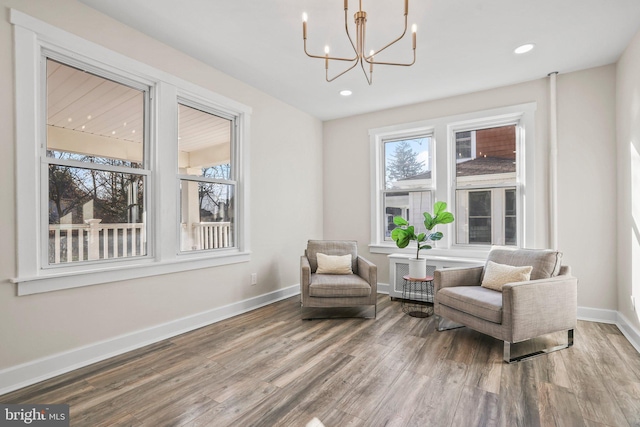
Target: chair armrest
<point>539,307</point>
<point>369,272</point>
<point>457,276</point>
<point>305,275</point>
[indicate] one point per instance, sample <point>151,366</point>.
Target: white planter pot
<point>417,268</point>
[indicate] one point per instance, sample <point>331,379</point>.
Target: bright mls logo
<point>34,415</point>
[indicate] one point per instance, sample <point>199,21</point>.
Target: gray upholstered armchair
<point>522,310</point>
<point>324,287</point>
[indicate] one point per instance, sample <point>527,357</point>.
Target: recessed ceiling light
<point>524,48</point>
<point>345,92</point>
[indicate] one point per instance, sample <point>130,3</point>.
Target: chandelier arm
<point>355,63</point>
<point>346,28</point>
<point>396,63</point>
<point>333,58</point>
<point>366,58</point>
<point>370,76</point>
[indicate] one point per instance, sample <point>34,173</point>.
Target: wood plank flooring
<point>269,368</point>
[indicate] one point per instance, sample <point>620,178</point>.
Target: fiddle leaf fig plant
<point>404,233</point>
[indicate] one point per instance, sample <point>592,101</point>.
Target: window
<point>100,140</point>
<point>465,145</point>
<point>477,163</point>
<point>486,184</point>
<point>407,176</point>
<point>95,163</point>
<point>206,174</point>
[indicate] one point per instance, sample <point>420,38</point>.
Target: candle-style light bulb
<point>414,29</point>
<point>304,25</point>
<point>326,57</point>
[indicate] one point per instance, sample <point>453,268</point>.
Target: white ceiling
<point>463,45</point>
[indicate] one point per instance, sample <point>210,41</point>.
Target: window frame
<point>417,189</point>
<point>46,161</point>
<point>443,175</point>
<point>489,122</point>
<point>189,101</point>
<point>378,172</point>
<point>32,37</point>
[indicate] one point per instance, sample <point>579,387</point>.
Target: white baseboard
<point>25,374</point>
<point>599,315</point>
<point>614,317</point>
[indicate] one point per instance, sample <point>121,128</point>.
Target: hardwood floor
<point>269,368</point>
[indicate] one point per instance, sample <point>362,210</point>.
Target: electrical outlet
<point>254,278</point>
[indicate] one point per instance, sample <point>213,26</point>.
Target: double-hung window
<point>407,180</point>
<point>123,170</point>
<point>486,186</point>
<point>95,162</point>
<point>478,163</point>
<point>403,177</point>
<point>207,178</point>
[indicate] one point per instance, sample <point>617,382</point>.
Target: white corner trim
<point>613,317</point>
<point>28,373</point>
<point>629,331</point>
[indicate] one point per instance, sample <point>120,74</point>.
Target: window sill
<point>460,253</point>
<point>55,281</point>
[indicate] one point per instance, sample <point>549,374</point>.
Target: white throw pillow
<point>496,275</point>
<point>334,264</point>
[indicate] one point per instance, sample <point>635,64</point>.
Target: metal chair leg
<point>507,350</point>
<point>441,328</point>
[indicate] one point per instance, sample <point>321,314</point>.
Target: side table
<point>417,296</point>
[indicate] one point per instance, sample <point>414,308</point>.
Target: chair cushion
<point>545,262</point>
<point>332,247</point>
<point>332,286</point>
<point>334,264</point>
<point>475,300</point>
<point>497,275</point>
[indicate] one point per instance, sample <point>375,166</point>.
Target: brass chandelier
<point>359,46</point>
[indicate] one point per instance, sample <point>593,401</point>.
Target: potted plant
<point>404,234</point>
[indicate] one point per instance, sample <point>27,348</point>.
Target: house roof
<point>477,166</point>
<point>424,175</point>
<point>485,166</point>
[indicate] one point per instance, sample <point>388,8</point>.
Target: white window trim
<point>194,101</point>
<point>516,118</point>
<point>378,137</point>
<point>444,172</point>
<point>31,36</point>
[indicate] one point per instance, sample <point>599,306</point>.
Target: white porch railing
<point>211,235</point>
<point>94,241</point>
